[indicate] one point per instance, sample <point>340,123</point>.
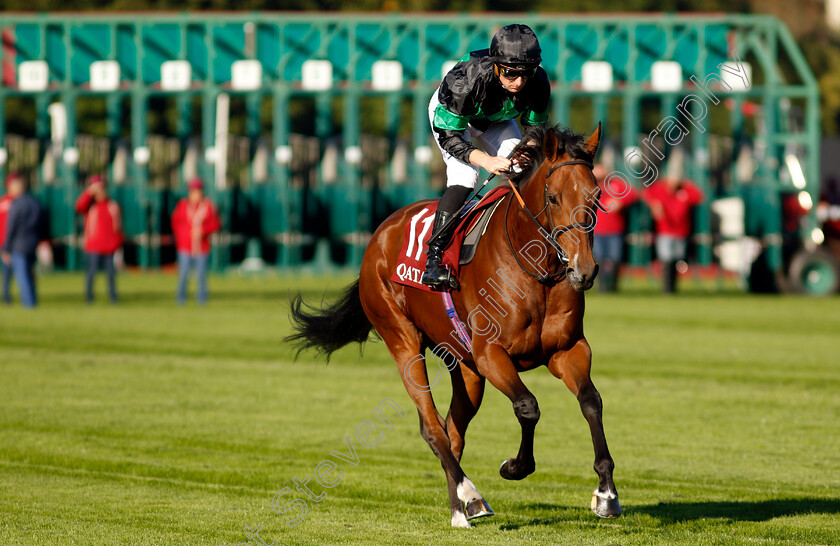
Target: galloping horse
<point>538,259</point>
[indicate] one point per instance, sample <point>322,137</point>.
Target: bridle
<point>548,236</point>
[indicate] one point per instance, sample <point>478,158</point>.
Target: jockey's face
<point>514,80</point>
<point>195,195</point>
<point>514,86</point>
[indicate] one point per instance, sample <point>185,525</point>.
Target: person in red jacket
<point>670,201</point>
<point>608,244</point>
<point>103,234</point>
<point>194,220</point>
<point>5,205</point>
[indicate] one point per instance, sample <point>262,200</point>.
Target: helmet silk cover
<point>516,46</point>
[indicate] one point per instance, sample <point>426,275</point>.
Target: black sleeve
<point>11,227</point>
<point>456,109</point>
<point>454,144</point>
<point>537,112</point>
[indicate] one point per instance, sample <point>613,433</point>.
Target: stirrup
<point>442,281</point>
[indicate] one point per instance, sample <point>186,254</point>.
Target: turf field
<point>146,423</point>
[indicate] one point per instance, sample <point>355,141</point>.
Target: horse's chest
<point>543,331</point>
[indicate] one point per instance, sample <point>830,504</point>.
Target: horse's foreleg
<point>467,392</point>
<point>496,365</point>
<point>573,368</point>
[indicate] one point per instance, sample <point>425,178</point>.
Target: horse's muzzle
<point>581,281</point>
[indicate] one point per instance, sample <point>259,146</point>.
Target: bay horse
<point>538,259</point>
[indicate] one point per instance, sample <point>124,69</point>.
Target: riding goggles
<point>511,73</point>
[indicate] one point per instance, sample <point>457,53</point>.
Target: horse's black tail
<point>327,330</point>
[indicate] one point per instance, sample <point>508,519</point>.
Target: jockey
<point>479,100</point>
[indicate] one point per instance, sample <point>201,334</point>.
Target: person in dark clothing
<point>23,231</point>
<point>5,205</point>
<point>480,99</point>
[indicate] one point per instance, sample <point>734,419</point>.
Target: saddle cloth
<point>471,226</point>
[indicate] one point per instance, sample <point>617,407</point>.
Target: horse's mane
<point>568,142</point>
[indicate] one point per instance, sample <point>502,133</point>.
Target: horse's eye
<point>552,199</point>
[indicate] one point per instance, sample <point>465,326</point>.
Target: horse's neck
<point>525,236</point>
<point>533,189</point>
<point>533,194</point>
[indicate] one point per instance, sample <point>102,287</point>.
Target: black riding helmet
<point>516,46</point>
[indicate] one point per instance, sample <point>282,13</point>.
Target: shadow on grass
<point>679,512</point>
<point>675,512</point>
<point>560,514</point>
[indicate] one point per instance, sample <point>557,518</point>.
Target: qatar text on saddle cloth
<point>418,230</point>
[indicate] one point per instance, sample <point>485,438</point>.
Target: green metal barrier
<point>73,48</point>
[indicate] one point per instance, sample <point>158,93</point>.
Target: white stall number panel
<point>734,75</point>
<point>596,76</point>
<point>387,76</point>
<point>33,76</point>
<point>175,76</point>
<point>666,76</point>
<point>104,76</point>
<point>246,75</point>
<point>316,75</point>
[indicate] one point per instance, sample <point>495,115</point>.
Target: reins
<point>555,231</point>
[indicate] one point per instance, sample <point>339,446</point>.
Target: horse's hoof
<point>478,508</point>
<point>511,470</point>
<point>605,506</point>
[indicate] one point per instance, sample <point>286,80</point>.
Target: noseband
<point>555,231</point>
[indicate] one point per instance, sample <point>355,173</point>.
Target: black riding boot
<point>436,275</point>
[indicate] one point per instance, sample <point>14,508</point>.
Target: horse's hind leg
<point>404,342</point>
<point>467,392</point>
<point>573,368</point>
<point>462,492</point>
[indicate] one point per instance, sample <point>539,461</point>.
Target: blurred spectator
<point>828,212</point>
<point>670,201</point>
<point>103,234</point>
<point>23,230</point>
<point>5,204</point>
<point>194,220</point>
<point>610,227</point>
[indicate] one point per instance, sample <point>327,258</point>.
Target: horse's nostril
<point>595,272</point>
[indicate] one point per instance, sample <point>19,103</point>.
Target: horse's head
<point>570,196</point>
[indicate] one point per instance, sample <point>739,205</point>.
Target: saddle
<point>462,248</point>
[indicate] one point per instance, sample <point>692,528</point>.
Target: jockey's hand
<point>497,165</point>
<point>523,159</point>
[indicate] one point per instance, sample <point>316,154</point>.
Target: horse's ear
<point>551,146</point>
<point>594,141</point>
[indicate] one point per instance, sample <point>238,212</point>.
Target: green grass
<point>146,423</point>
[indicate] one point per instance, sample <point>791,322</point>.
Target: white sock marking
<point>609,495</point>
<point>459,519</point>
<point>466,491</point>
